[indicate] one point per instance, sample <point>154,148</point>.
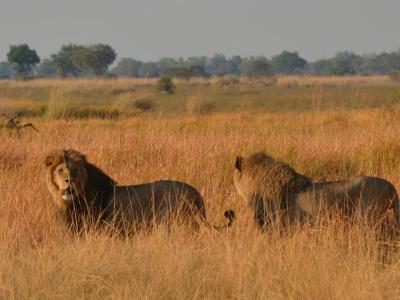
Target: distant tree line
<point>95,60</point>
<point>70,61</point>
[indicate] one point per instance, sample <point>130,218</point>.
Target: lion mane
<point>267,185</point>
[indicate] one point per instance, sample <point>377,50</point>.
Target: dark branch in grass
<point>14,123</point>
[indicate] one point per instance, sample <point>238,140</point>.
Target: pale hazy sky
<point>151,29</point>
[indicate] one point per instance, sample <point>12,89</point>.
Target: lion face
<point>69,181</point>
<point>67,175</point>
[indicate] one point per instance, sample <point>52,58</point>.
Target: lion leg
<point>259,216</point>
<point>396,210</point>
<point>266,213</point>
<point>259,211</point>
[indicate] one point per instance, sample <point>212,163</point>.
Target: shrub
<point>229,80</point>
<point>195,106</point>
<point>144,104</point>
<point>394,75</point>
<point>166,85</point>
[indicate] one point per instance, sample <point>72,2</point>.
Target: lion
<point>276,192</point>
<point>85,195</point>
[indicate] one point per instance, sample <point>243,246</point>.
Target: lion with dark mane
<point>85,195</point>
<point>275,191</point>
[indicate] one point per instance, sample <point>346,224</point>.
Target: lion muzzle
<point>67,194</point>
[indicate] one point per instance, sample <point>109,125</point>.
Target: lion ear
<point>76,156</point>
<point>238,163</point>
<point>50,160</point>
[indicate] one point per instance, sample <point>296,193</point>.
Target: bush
<point>207,107</point>
<point>166,85</point>
<point>394,75</point>
<point>229,80</point>
<point>144,104</point>
<point>195,106</point>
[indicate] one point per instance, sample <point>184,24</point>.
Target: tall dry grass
<point>116,98</point>
<point>40,259</point>
<point>337,81</point>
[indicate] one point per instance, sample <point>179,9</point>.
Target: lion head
<point>262,174</point>
<point>66,175</point>
<point>266,184</point>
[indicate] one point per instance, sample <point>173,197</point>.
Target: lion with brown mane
<point>276,192</point>
<point>86,196</point>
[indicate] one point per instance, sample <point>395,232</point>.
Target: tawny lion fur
<point>275,191</point>
<point>86,196</point>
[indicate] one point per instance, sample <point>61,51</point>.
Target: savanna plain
<point>325,127</point>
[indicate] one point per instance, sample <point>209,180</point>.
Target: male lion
<point>87,196</point>
<point>275,190</point>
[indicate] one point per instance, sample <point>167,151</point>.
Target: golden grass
<point>124,82</point>
<point>376,80</point>
<point>39,259</point>
<point>112,98</point>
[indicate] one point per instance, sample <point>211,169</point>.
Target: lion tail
<point>230,215</point>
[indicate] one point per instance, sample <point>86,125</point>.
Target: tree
<point>167,63</point>
<point>128,67</point>
<point>255,66</point>
<point>219,65</point>
<point>344,63</point>
<point>320,67</point>
<point>63,60</point>
<point>95,58</point>
<point>287,63</point>
<point>192,71</point>
<point>22,59</point>
<point>236,61</point>
<point>5,70</point>
<point>166,85</point>
<point>46,69</point>
<point>149,70</point>
<point>372,64</point>
<point>391,61</point>
<point>196,71</point>
<point>200,61</point>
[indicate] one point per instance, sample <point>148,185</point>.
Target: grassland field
<point>325,127</point>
